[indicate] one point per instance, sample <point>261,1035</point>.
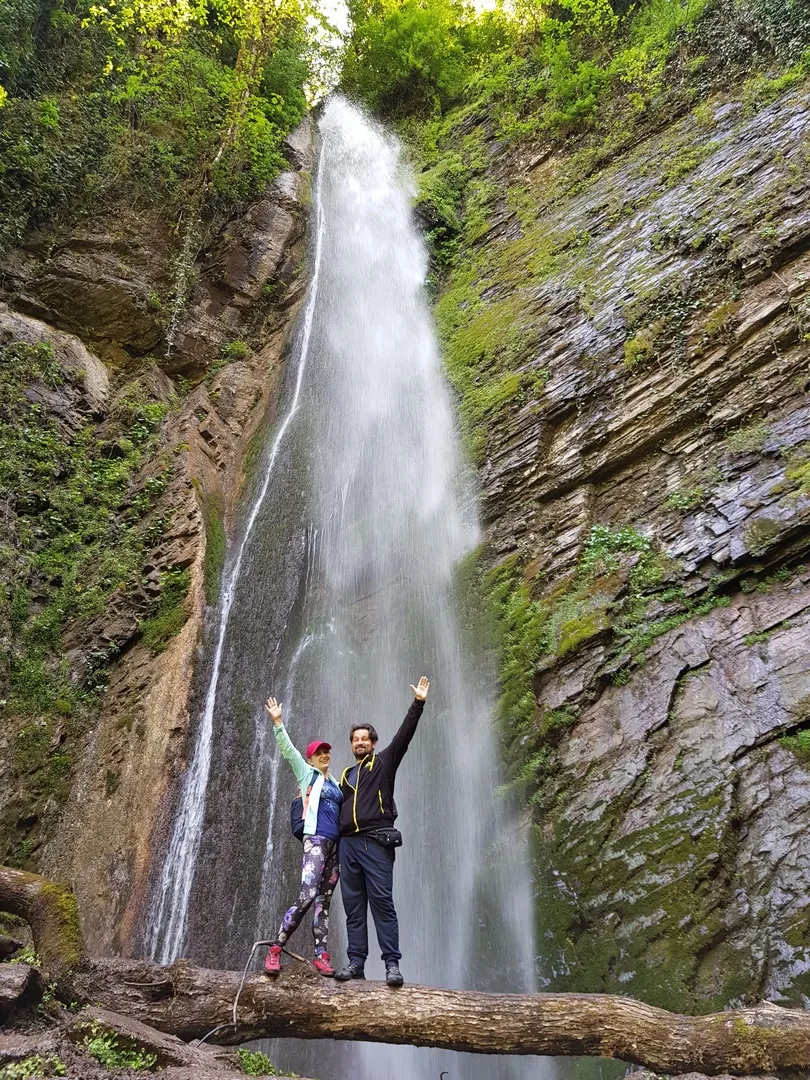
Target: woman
<point>322,798</point>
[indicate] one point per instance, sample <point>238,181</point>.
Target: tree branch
<point>196,1003</point>
<point>191,1002</point>
<point>51,912</point>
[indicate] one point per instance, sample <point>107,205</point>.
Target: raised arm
<point>288,751</point>
<point>395,751</point>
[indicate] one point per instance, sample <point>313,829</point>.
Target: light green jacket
<point>303,774</point>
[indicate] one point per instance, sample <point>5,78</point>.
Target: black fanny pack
<point>389,838</point>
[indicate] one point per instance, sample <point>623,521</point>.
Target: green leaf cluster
<point>33,1068</point>
<point>106,1047</point>
<point>553,68</point>
<point>255,1063</point>
<point>408,56</point>
<point>149,103</point>
<point>78,523</point>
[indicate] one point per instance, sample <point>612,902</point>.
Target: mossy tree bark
<point>191,1002</point>
<point>194,1003</point>
<point>51,912</point>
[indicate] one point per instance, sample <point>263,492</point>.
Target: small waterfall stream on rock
<point>341,592</point>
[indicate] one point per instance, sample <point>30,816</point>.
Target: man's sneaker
<point>272,962</point>
<point>351,971</point>
<point>322,965</point>
<point>393,976</point>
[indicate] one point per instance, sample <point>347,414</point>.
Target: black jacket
<point>369,804</point>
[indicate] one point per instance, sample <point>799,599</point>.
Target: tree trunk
<point>51,912</point>
<point>195,1003</point>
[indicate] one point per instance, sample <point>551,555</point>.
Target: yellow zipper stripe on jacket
<point>354,806</point>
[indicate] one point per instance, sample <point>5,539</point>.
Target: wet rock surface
<point>253,257</point>
<point>667,321</point>
<point>19,983</point>
<point>101,298</point>
<point>106,283</point>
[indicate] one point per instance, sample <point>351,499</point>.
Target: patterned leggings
<point>319,876</point>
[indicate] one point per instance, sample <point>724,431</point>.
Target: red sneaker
<point>272,962</point>
<point>322,965</point>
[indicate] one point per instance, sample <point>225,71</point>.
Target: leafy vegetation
<point>621,589</point>
<point>26,956</point>
<point>77,526</point>
<point>684,499</point>
<point>255,1063</point>
<point>106,1047</point>
<point>33,1068</point>
<point>560,66</point>
<point>749,439</point>
<point>798,744</point>
<point>77,531</point>
<point>174,106</point>
<point>409,56</point>
<point>171,614</point>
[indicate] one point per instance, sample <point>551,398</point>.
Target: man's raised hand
<point>420,692</point>
<point>273,710</point>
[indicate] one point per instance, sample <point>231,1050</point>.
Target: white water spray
<point>372,498</point>
<point>391,516</point>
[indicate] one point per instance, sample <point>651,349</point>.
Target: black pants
<point>367,877</point>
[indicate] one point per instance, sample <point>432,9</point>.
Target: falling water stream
<point>338,594</point>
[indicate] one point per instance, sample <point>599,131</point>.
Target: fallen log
<point>194,1002</point>
<point>197,1003</point>
<point>51,912</point>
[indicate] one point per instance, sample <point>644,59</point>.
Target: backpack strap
<point>305,802</point>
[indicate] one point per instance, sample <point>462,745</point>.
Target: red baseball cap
<point>316,745</point>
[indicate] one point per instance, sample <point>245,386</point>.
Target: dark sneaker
<point>322,965</point>
<point>272,963</point>
<point>351,971</point>
<point>393,976</point>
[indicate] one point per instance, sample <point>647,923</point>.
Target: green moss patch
<point>642,913</point>
<point>171,614</point>
<point>77,529</point>
<point>215,549</point>
<point>620,590</point>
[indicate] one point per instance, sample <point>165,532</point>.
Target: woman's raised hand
<point>420,691</point>
<point>273,710</point>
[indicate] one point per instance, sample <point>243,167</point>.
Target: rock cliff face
<point>646,492</point>
<point>108,301</point>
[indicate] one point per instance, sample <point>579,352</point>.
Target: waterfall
<point>342,593</point>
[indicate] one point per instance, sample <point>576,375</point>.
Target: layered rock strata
<point>648,483</point>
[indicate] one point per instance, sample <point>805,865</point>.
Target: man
<point>366,824</point>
